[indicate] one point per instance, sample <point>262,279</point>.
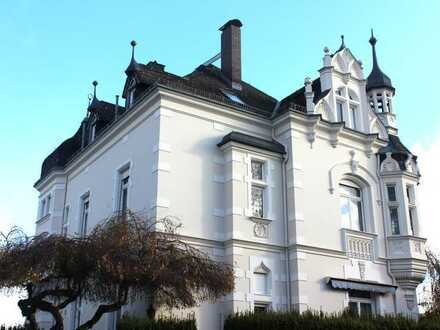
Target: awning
<point>343,284</point>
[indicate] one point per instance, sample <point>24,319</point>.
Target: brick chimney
<point>231,52</point>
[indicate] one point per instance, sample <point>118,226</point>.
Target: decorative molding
<point>335,131</point>
<point>160,202</point>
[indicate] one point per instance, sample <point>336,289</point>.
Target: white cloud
<point>428,192</point>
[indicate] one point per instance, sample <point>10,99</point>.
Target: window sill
<point>265,221</point>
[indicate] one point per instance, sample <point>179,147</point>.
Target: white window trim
<point>267,198</point>
<point>126,166</point>
<point>371,301</point>
<point>86,195</point>
<point>362,199</point>
<point>65,224</point>
<point>346,102</point>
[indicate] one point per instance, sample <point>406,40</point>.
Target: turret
<point>380,92</point>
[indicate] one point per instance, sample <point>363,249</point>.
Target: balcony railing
<point>359,245</point>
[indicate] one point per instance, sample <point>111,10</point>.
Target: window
<point>84,215</point>
<point>123,191</point>
<point>360,303</point>
<point>394,218</point>
<point>391,190</point>
<point>131,97</point>
<point>257,170</point>
<point>65,224</point>
<point>412,212</point>
<point>379,103</point>
<point>352,110</point>
<point>339,112</point>
<point>347,100</point>
<point>351,207</point>
<point>258,186</point>
<point>257,201</point>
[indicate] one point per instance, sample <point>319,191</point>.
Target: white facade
<point>286,257</point>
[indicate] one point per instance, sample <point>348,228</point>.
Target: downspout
<point>390,274</point>
<point>286,223</point>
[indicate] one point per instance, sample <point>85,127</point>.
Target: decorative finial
<point>326,50</point>
<point>342,41</point>
<point>372,40</point>
<point>95,83</point>
<point>133,44</point>
<point>307,81</point>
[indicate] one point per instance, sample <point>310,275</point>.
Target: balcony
<point>406,247</point>
<point>358,244</point>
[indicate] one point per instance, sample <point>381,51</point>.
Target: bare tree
<point>433,305</point>
<point>125,257</point>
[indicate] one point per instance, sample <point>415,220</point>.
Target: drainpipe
<point>286,223</point>
<point>390,274</point>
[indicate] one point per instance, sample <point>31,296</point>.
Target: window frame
<point>260,184</point>
<point>394,221</point>
<point>84,221</point>
<point>359,200</point>
<point>65,221</point>
<point>347,108</point>
<point>123,171</point>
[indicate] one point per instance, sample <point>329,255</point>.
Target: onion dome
<point>377,79</point>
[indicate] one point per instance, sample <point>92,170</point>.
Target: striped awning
<point>375,287</point>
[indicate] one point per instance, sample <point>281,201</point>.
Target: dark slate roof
<point>104,112</point>
<point>298,98</point>
<point>398,151</point>
<point>209,82</point>
<point>61,155</point>
<point>269,145</point>
<point>377,79</point>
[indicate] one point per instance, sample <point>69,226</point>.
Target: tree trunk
<point>53,310</point>
<point>102,309</point>
<point>151,312</point>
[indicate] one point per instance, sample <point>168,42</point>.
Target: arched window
<point>352,205</point>
<point>347,107</point>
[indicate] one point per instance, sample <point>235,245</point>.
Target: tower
<point>380,92</point>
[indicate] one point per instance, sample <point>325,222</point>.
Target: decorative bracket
<point>311,129</point>
<point>334,134</point>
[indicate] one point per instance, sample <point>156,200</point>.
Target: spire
<point>377,79</point>
<point>95,99</point>
<point>342,44</point>
<point>133,64</point>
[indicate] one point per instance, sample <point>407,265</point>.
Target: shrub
<point>321,321</point>
<point>134,323</point>
<point>11,327</point>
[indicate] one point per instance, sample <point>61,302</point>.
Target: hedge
<point>318,321</point>
<point>11,327</point>
<point>133,323</point>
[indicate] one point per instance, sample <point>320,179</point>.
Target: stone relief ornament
<point>260,230</point>
<point>362,268</point>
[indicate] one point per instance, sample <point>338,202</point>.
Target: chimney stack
<point>231,52</point>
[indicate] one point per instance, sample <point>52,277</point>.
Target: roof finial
<point>94,83</point>
<point>372,40</point>
<point>342,41</point>
<point>133,44</point>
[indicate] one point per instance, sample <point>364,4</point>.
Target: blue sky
<point>53,50</point>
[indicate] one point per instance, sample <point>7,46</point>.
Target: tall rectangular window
<point>339,112</point>
<point>394,218</point>
<point>65,224</point>
<point>391,190</point>
<point>49,198</point>
<point>257,201</point>
<point>412,212</point>
<point>352,109</point>
<point>84,215</point>
<point>258,186</point>
<point>123,187</point>
<point>351,207</point>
